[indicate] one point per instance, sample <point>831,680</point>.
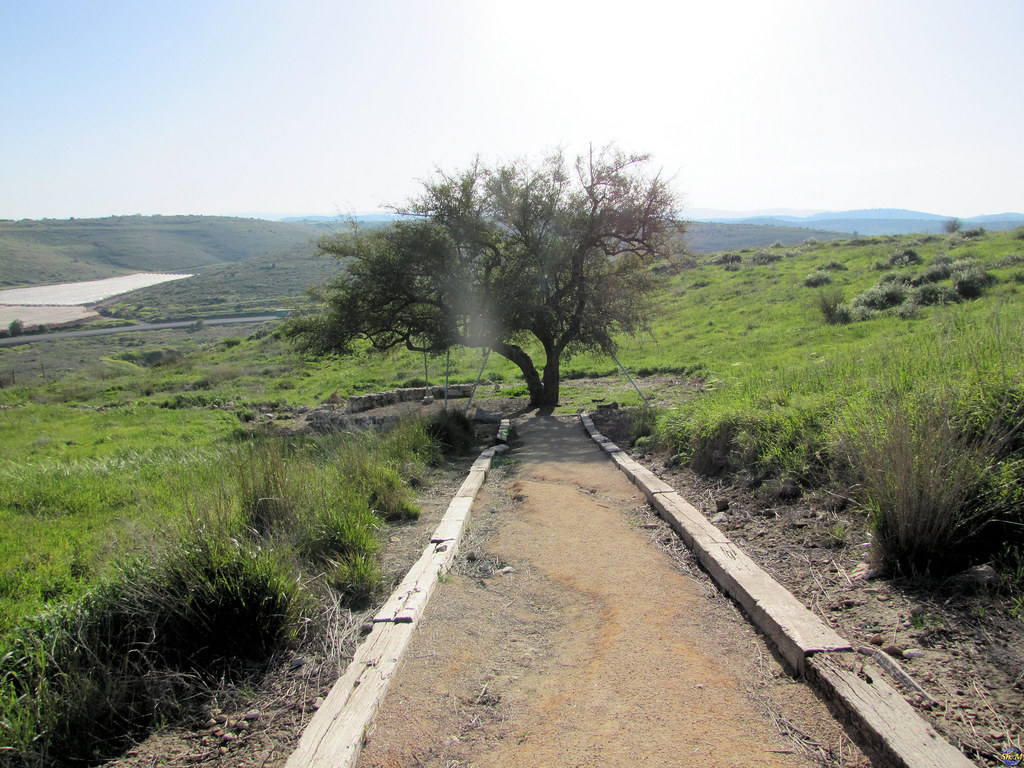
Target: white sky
<point>309,106</point>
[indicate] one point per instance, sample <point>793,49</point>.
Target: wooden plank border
<point>334,737</point>
<point>890,728</point>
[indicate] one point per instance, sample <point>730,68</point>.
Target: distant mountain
<point>873,221</point>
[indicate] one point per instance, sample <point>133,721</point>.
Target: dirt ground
<point>565,636</point>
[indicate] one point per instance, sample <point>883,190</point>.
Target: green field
<point>859,367</point>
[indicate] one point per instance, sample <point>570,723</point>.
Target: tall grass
<point>925,431</point>
<point>213,599</point>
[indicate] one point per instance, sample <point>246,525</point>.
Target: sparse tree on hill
<point>953,225</point>
<point>496,257</point>
<point>16,328</point>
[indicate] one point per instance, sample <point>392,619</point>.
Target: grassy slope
<point>53,251</point>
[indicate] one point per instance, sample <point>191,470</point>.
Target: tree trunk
<point>534,384</point>
<point>551,378</point>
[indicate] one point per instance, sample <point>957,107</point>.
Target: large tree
<point>495,257</point>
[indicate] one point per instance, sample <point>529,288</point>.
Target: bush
<point>16,328</point>
<point>834,266</point>
<point>453,431</point>
<point>969,279</point>
<point>830,303</point>
<point>726,258</point>
<point>926,481</point>
<point>881,297</point>
<point>903,257</point>
<point>761,258</point>
<point>817,279</point>
<point>79,683</point>
<point>930,294</point>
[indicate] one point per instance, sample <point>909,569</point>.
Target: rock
<point>913,653</point>
<point>866,572</point>
<point>472,556</point>
<point>719,518</point>
<point>612,406</point>
<point>486,417</point>
<point>252,714</point>
<point>893,650</point>
<point>721,505</point>
<point>876,640</point>
<point>983,575</point>
<point>506,569</point>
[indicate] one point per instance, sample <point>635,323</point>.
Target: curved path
<point>593,650</point>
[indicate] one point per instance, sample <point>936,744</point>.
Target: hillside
<point>710,237</point>
<point>54,251</point>
<point>876,221</point>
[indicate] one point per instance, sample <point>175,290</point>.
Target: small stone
<point>319,702</point>
<point>393,539</point>
<point>252,714</point>
<point>721,505</point>
<point>876,640</point>
<point>228,737</point>
<point>223,750</point>
<point>883,598</point>
<point>980,574</point>
<point>218,732</point>
<point>472,557</point>
<point>719,518</point>
<point>242,725</point>
<point>211,723</point>
<point>221,718</point>
<point>506,569</point>
<point>295,664</point>
<point>913,653</point>
<point>650,526</point>
<point>893,650</point>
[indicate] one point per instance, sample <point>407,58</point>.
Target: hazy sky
<point>310,106</point>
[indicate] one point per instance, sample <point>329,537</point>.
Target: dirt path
<point>595,649</point>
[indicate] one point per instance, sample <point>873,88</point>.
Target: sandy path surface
<point>595,649</point>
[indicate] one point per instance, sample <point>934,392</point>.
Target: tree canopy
<point>504,258</point>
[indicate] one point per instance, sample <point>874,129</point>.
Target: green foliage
<point>817,279</point>
<point>16,328</point>
<point>78,683</point>
<point>498,257</point>
<point>830,303</point>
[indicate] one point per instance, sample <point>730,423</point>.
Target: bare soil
<point>956,639</point>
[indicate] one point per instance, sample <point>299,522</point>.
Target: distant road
<point>13,341</point>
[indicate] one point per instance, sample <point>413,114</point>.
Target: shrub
<point>903,257</point>
<point>453,431</point>
<point>936,272</point>
<point>930,294</point>
<point>834,266</point>
<point>79,683</point>
<point>761,258</point>
<point>927,481</point>
<point>881,297</point>
<point>16,328</point>
<point>969,279</point>
<point>830,303</point>
<point>817,279</point>
<point>726,258</point>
